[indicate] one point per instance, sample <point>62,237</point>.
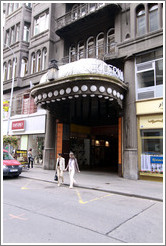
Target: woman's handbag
<point>56,177</point>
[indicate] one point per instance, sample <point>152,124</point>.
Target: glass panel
<point>159,72</point>
<point>153,21</point>
<point>151,133</point>
<point>152,146</point>
<point>141,25</point>
<point>145,79</point>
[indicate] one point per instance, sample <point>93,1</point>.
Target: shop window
<point>100,46</point>
<point>24,67</point>
<point>33,61</point>
<point>141,22</point>
<point>72,54</point>
<point>26,31</point>
<point>149,75</point>
<point>91,47</point>
<point>110,41</point>
<point>38,61</point>
<point>5,71</point>
<point>153,17</point>
<point>41,23</point>
<point>81,50</point>
<point>44,58</point>
<point>152,150</point>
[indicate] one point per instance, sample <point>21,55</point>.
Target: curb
<point>103,190</point>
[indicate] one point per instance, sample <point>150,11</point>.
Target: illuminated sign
<point>18,125</point>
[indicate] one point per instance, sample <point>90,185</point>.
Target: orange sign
<point>59,138</point>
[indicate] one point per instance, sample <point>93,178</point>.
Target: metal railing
<point>78,13</point>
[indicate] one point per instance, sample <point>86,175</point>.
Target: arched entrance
<point>86,106</point>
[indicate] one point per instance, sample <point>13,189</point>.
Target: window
<point>33,60</point>
<point>14,67</point>
<point>83,10</point>
<point>24,67</point>
<point>9,73</point>
<point>7,38</point>
<point>110,41</point>
<point>153,17</point>
<point>26,31</point>
<point>74,12</point>
<point>81,50</point>
<point>100,46</point>
<point>72,54</point>
<point>91,47</point>
<point>5,71</point>
<point>17,32</point>
<point>149,75</point>
<point>44,58</point>
<point>92,7</point>
<point>29,5</point>
<point>141,23</point>
<point>38,64</point>
<point>16,6</point>
<point>10,8</point>
<point>12,35</point>
<point>41,23</point>
<point>152,150</point>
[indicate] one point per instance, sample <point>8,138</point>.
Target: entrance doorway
<point>95,147</point>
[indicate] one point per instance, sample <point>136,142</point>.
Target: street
<point>41,212</point>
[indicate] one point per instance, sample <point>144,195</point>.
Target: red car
<point>11,167</point>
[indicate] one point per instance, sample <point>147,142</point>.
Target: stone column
<point>130,152</point>
<point>49,146</point>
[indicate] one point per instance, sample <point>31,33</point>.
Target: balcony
<point>82,11</point>
<point>102,52</point>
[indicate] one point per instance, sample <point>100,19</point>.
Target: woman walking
<point>73,167</point>
<point>60,167</point>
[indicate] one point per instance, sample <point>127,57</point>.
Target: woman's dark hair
<point>60,154</point>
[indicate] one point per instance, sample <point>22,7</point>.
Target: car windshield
<point>7,156</point>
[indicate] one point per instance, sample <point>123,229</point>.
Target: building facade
<point>102,94</point>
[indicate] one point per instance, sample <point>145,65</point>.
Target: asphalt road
<point>41,212</point>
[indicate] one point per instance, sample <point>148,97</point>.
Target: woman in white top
<point>73,167</point>
<point>60,167</point>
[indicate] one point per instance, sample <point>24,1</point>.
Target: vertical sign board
<point>59,138</point>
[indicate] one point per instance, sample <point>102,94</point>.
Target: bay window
<point>41,23</point>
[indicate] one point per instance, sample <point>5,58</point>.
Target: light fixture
<point>52,73</point>
<point>107,144</point>
<point>97,143</point>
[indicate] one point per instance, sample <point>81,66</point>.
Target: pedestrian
<point>73,167</point>
<point>60,167</point>
<point>30,158</point>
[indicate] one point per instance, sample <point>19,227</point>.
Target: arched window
<point>90,47</point>
<point>9,73</point>
<point>33,63</point>
<point>110,41</point>
<point>74,12</point>
<point>81,50</point>
<point>141,22</point>
<point>44,58</point>
<point>92,7</point>
<point>5,71</point>
<point>72,53</point>
<point>153,17</point>
<point>38,63</point>
<point>24,66</point>
<point>100,45</point>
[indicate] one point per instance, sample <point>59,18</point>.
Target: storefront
<point>84,103</point>
<point>150,139</point>
<point>30,133</point>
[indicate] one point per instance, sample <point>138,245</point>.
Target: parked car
<point>11,167</point>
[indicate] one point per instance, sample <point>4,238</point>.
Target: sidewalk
<point>102,181</point>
